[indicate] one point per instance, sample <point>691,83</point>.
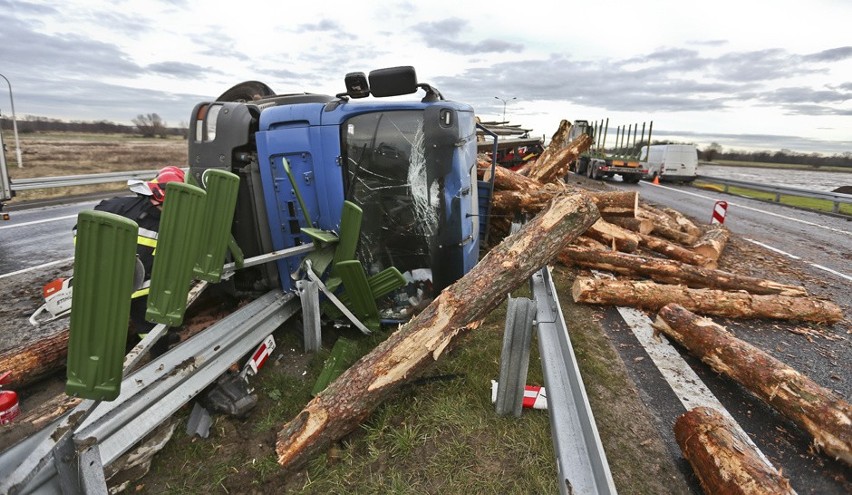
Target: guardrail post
<point>515,356</point>
<point>309,296</point>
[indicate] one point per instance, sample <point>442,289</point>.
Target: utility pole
<point>14,123</point>
<point>504,105</point>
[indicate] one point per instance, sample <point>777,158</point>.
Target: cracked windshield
<point>386,176</point>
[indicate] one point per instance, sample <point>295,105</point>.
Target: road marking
<point>34,222</point>
<point>45,265</point>
<point>793,256</point>
<point>683,380</point>
<point>738,205</point>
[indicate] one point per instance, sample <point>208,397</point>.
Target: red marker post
<point>719,211</point>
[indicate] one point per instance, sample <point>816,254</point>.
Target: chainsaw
<point>57,296</point>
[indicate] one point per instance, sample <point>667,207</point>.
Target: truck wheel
<point>631,179</point>
<point>591,172</point>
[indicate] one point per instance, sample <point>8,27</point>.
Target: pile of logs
<point>659,255</point>
<point>656,259</point>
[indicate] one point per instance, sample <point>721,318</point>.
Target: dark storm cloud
<point>832,55</point>
<point>30,53</point>
<point>321,26</point>
<point>806,94</point>
<point>215,43</point>
<point>26,9</point>
<point>768,142</point>
<point>667,79</point>
<point>443,35</point>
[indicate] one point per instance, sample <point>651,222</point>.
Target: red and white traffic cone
<point>9,408</point>
<point>719,211</point>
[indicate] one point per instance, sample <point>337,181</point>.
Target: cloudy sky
<point>748,74</point>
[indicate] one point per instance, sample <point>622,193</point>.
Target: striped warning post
<point>719,211</point>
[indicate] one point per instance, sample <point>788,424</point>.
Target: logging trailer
<point>623,159</point>
<point>375,204</point>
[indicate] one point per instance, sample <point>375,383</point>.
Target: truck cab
<point>410,165</point>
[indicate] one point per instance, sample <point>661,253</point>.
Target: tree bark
<point>556,166</point>
<point>609,204</point>
<point>557,142</point>
<point>685,224</point>
<point>819,411</point>
<point>665,226</point>
<point>712,242</point>
<point>724,458</point>
<point>675,251</point>
<point>638,225</point>
<point>348,400</point>
<point>32,361</point>
<point>507,180</point>
<point>730,304</point>
<point>611,234</point>
<point>673,272</point>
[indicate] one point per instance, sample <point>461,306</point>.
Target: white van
<point>670,162</point>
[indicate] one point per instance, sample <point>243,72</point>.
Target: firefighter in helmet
<point>144,208</point>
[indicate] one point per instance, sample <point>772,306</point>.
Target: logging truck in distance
<point>622,159</point>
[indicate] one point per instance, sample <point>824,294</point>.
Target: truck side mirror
<point>357,85</point>
<point>393,81</point>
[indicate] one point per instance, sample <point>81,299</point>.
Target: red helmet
<point>164,176</point>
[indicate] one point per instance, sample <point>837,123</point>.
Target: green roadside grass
<point>437,435</point>
<point>785,199</point>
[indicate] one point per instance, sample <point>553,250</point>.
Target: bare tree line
<point>146,125</point>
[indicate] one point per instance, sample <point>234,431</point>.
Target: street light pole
<point>14,123</point>
<point>504,105</point>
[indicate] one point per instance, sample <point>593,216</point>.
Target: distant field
<point>58,154</point>
<point>797,166</point>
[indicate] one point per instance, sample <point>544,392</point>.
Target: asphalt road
<point>818,246</point>
<point>37,236</point>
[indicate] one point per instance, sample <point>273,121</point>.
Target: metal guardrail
<point>580,458</point>
<point>80,180</point>
<point>836,198</point>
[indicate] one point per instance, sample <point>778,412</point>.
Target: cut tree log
<point>819,411</point>
<point>638,225</point>
<point>712,242</point>
<point>724,458</point>
<point>32,361</point>
<point>506,179</point>
<point>675,251</point>
<point>665,226</point>
<point>685,224</point>
<point>609,204</point>
<point>673,272</point>
<point>587,242</point>
<point>557,142</point>
<point>610,234</point>
<point>731,304</point>
<point>409,351</point>
<point>557,165</point>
